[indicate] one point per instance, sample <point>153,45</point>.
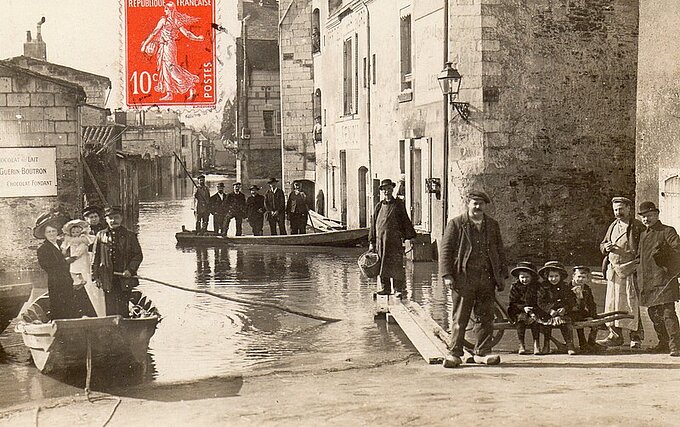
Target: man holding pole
<point>201,206</point>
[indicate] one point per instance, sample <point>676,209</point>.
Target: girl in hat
<point>556,300</point>
<point>523,294</point>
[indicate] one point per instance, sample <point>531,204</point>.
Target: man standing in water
<point>116,250</point>
<point>472,264</point>
<point>390,227</point>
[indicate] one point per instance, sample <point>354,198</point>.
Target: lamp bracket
<point>463,109</point>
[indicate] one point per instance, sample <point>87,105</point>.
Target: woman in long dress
<point>162,41</point>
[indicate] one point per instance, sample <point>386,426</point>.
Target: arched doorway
<point>363,212</point>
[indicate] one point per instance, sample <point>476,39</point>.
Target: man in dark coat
<point>218,208</point>
<point>236,209</point>
<point>472,263</point>
<point>255,210</point>
<point>296,209</point>
<point>390,227</point>
<point>275,207</point>
<point>201,206</point>
<point>659,256</point>
<point>116,250</point>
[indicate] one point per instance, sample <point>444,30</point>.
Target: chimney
<point>36,48</point>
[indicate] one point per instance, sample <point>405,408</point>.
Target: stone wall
<point>658,108</point>
<point>558,93</point>
<point>38,111</point>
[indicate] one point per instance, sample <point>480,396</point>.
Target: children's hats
<point>553,266</point>
<point>254,187</point>
<point>582,268</point>
<point>74,223</point>
<point>526,267</point>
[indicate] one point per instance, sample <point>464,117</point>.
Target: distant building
<point>550,88</point>
<point>257,92</point>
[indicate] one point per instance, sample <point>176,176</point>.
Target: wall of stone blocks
<point>38,113</point>
<point>559,89</point>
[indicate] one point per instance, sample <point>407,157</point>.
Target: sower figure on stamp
<point>659,256</point>
<point>236,209</point>
<point>218,208</point>
<point>620,246</point>
<point>472,264</point>
<point>201,206</point>
<point>275,208</point>
<point>390,227</point>
<point>116,250</point>
<point>255,210</point>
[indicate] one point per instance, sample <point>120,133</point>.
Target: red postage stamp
<point>169,53</point>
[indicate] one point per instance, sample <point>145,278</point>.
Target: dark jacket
<point>583,307</point>
<point>236,204</point>
<point>555,297</point>
<point>202,196</point>
<point>59,281</point>
<point>389,228</point>
<point>297,203</point>
<point>275,201</point>
<point>116,251</point>
<point>521,296</point>
<point>659,256</point>
<point>255,207</point>
<point>456,247</point>
<point>218,206</point>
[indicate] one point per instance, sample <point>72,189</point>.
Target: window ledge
<point>405,96</point>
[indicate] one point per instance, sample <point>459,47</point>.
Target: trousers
<point>666,325</point>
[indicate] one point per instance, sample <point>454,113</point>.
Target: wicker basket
<point>369,263</point>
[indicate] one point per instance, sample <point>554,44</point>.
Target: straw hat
<point>74,223</point>
<point>525,266</point>
<point>553,266</point>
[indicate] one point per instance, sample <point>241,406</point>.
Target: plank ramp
<point>419,330</point>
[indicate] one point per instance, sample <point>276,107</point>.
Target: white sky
<point>85,34</point>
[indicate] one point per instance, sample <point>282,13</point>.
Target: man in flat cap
<point>620,247</point>
<point>659,255</point>
<point>389,228</point>
<point>236,209</point>
<point>472,264</point>
<point>116,250</point>
<point>201,206</point>
<point>275,207</point>
<point>218,208</point>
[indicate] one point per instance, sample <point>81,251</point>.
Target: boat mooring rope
<point>240,301</point>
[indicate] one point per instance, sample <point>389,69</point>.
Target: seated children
<point>584,308</point>
<point>556,299</point>
<point>523,294</point>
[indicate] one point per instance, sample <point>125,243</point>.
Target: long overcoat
<point>456,247</point>
<point>390,226</point>
<point>126,255</point>
<point>659,255</point>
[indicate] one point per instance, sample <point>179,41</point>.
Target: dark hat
<point>553,266</point>
<point>479,195</point>
<point>582,268</point>
<point>220,185</point>
<point>272,180</point>
<point>624,200</point>
<point>647,207</point>
<point>200,177</point>
<point>526,267</point>
<point>386,182</point>
<point>112,210</point>
<point>91,209</point>
<point>56,221</point>
<point>254,187</point>
<point>235,184</point>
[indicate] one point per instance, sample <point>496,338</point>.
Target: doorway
<point>343,186</point>
<point>363,175</point>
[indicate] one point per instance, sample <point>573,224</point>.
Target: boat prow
<point>114,340</point>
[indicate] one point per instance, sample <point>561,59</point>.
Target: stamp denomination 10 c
<point>169,53</point>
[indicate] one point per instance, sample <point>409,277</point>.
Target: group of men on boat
<point>256,208</point>
<point>90,264</point>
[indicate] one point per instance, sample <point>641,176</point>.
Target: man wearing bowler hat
<point>389,228</point>
<point>620,247</point>
<point>218,208</point>
<point>116,250</point>
<point>659,255</point>
<point>255,210</point>
<point>472,264</point>
<point>275,207</point>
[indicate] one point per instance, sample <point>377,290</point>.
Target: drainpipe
<point>445,108</point>
<point>369,208</point>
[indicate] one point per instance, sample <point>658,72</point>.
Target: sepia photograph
<point>339,212</point>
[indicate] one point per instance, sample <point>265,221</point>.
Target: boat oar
<point>238,300</point>
<point>311,221</point>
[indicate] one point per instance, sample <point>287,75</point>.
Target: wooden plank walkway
<point>423,332</point>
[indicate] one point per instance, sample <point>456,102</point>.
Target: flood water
<point>201,336</point>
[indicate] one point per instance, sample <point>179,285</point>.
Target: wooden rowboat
<point>12,298</point>
<point>341,238</point>
<point>112,340</point>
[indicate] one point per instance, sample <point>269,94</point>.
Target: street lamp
<point>449,81</point>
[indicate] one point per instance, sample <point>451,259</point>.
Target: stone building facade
<point>258,92</point>
<point>658,110</point>
<point>551,92</point>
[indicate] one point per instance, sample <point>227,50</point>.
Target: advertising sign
<point>28,172</point>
